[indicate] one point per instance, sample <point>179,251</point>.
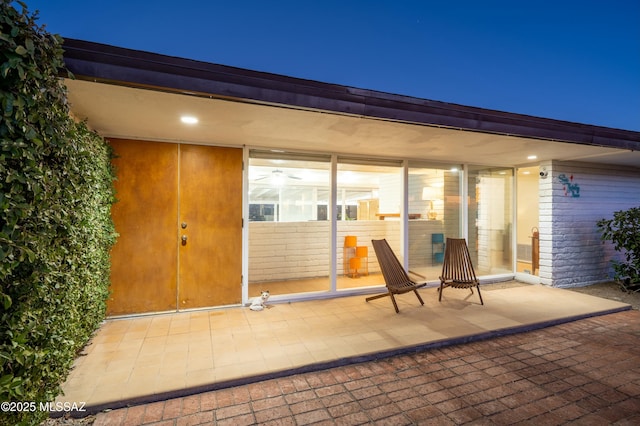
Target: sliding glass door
<point>435,207</point>
<point>292,219</point>
<point>369,196</point>
<point>490,225</point>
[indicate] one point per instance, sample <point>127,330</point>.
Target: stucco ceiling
<point>124,112</point>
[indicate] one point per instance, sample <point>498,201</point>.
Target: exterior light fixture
<point>188,119</point>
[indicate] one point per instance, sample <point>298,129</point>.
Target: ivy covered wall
<point>55,225</point>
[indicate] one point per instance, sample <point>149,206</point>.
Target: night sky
<point>569,60</point>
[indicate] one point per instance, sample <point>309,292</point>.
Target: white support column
<point>545,223</point>
<point>464,203</point>
<point>332,216</point>
<point>404,214</point>
<point>245,225</point>
<point>514,220</point>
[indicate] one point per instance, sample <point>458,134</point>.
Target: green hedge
<point>623,230</point>
<point>56,229</point>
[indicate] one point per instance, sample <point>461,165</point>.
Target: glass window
<point>290,219</point>
<point>289,230</point>
<point>490,219</point>
<point>434,215</point>
<point>369,197</point>
<point>527,235</point>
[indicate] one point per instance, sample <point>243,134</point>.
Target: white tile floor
<point>145,356</point>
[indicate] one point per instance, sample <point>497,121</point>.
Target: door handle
<point>184,240</point>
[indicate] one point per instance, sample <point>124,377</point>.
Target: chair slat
<point>396,278</point>
<point>457,268</point>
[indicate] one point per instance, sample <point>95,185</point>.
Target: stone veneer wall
<point>573,198</point>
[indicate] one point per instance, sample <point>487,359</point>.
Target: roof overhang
<point>132,94</point>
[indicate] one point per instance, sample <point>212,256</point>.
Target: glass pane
<point>368,207</point>
<point>434,215</point>
<point>490,219</point>
<point>289,230</point>
<point>527,235</point>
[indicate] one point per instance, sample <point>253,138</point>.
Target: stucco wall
<point>572,199</point>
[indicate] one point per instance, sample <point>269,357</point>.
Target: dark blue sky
<point>564,59</point>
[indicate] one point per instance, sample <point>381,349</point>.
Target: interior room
<point>528,240</point>
<point>291,244</point>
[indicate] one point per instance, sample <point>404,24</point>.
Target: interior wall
<point>527,215</point>
<point>292,250</point>
<point>527,204</point>
<point>390,196</point>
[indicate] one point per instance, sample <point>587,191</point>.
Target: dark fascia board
<point>116,65</point>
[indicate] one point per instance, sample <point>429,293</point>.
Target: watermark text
<point>32,406</point>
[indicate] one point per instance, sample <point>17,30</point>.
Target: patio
<point>153,358</point>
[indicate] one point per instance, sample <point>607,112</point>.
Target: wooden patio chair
<point>457,269</point>
<point>395,277</point>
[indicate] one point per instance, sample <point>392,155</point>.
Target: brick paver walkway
<point>585,373</point>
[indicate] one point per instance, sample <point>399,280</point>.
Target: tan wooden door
<point>143,260</point>
<point>210,265</point>
<point>160,187</point>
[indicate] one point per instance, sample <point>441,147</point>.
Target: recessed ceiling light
<point>188,119</point>
<point>532,157</point>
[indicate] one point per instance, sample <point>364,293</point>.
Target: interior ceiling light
<point>188,119</point>
<point>532,157</point>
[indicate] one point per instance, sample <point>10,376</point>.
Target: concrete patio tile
<point>203,348</point>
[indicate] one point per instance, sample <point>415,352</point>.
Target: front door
<point>179,219</point>
<point>210,261</point>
